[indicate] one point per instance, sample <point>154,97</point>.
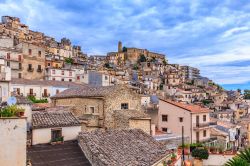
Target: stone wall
<point>13,141</point>
<point>143,124</point>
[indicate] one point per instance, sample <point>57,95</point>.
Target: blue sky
<point>212,35</point>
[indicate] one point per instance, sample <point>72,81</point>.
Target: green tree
<point>124,49</point>
<point>241,159</point>
<point>142,58</point>
<point>246,94</point>
<point>164,62</point>
<point>69,60</point>
<point>200,153</point>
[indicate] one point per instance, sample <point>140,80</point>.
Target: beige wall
<point>42,136</point>
<point>143,124</point>
<point>13,141</point>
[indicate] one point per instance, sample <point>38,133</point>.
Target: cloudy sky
<point>212,35</point>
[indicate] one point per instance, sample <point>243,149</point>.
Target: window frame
<point>124,106</point>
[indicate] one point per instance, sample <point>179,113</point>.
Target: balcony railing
<point>208,139</point>
<point>198,126</point>
<point>30,69</point>
<point>46,95</point>
<point>39,70</point>
<point>31,94</point>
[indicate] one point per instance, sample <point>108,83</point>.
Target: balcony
<point>30,69</point>
<point>31,94</point>
<point>39,70</point>
<point>200,126</point>
<point>45,95</point>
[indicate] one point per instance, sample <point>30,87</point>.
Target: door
<point>197,120</point>
<point>197,136</point>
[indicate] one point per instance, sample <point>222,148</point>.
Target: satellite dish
<point>11,100</point>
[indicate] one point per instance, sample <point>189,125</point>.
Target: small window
<point>8,64</point>
<point>30,66</point>
<point>39,53</point>
<point>124,106</point>
<point>30,51</point>
<point>19,75</point>
<point>106,77</point>
<point>181,119</point>
<point>48,64</point>
<point>8,55</point>
<point>19,57</point>
<point>31,91</point>
<point>70,80</point>
<point>53,79</point>
<point>92,110</point>
<point>165,129</point>
<point>78,77</point>
<point>62,72</point>
<point>70,73</point>
<point>20,65</point>
<point>39,67</point>
<point>204,133</point>
<point>204,118</point>
<point>164,118</point>
<point>56,134</point>
<point>62,79</point>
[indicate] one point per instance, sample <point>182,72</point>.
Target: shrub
<point>10,111</point>
<point>34,100</point>
<point>69,60</point>
<point>200,153</point>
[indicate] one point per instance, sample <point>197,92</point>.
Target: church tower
<point>119,46</point>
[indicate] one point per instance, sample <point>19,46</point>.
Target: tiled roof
<point>189,107</point>
<point>46,83</point>
<point>122,147</point>
<point>66,154</point>
<point>96,91</point>
<point>47,119</point>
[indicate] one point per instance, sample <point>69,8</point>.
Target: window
<point>39,53</point>
<point>53,72</point>
<point>181,119</point>
<point>204,118</point>
<point>53,79</point>
<point>19,57</point>
<point>124,106</point>
<point>204,133</point>
<point>70,80</point>
<point>31,91</point>
<point>70,73</point>
<point>30,51</point>
<point>48,64</point>
<point>106,77</point>
<point>39,67</point>
<point>19,75</point>
<point>78,77</point>
<point>55,134</point>
<point>62,79</point>
<point>8,55</point>
<point>165,129</point>
<point>62,72</point>
<point>92,110</point>
<point>164,118</point>
<point>20,66</point>
<point>8,64</point>
<point>30,66</point>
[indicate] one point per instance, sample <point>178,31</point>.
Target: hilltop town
<point>128,107</point>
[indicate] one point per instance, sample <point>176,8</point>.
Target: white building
<point>50,126</point>
<point>60,74</point>
<point>40,88</point>
<point>5,77</point>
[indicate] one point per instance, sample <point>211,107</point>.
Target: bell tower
<point>119,46</point>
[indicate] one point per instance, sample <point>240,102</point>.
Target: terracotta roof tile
<point>47,119</point>
<point>189,107</point>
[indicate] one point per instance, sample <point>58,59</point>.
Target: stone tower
<point>119,46</point>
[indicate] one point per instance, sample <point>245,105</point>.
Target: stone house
<point>105,107</point>
<point>33,61</point>
<point>47,126</point>
<point>194,118</point>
